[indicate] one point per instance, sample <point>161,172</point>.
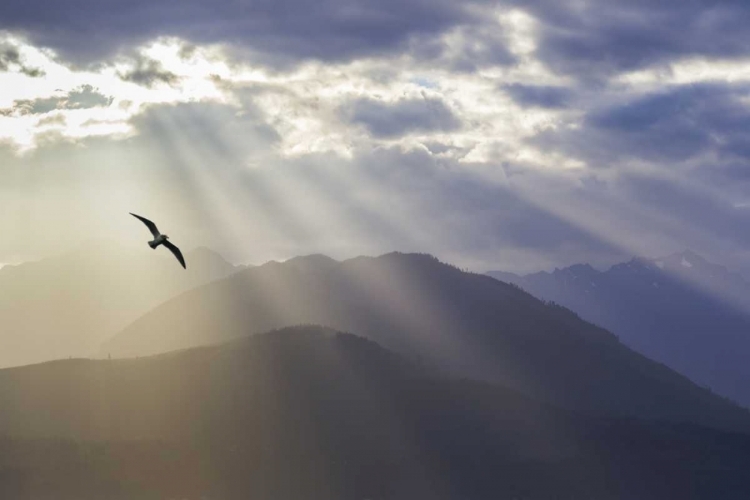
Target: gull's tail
<point>153,244</point>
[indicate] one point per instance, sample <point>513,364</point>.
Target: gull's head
<point>165,236</point>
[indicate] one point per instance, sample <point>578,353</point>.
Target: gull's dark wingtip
<point>149,224</point>
<point>176,252</point>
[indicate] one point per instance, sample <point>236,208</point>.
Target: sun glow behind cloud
<point>689,71</point>
<point>476,102</point>
<point>24,128</point>
<point>303,104</point>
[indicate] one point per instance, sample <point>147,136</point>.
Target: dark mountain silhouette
<point>681,310</point>
<point>311,413</point>
<point>67,305</point>
<point>466,324</point>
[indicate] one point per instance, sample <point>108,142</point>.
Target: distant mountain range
<point>311,413</point>
<point>681,310</point>
<point>464,324</point>
<point>67,305</point>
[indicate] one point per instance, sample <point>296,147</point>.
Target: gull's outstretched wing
<point>150,225</point>
<point>176,252</point>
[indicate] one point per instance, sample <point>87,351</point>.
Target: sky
<point>495,135</point>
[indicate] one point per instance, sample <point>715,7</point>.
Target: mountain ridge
<point>466,324</point>
<point>311,412</point>
<point>679,309</point>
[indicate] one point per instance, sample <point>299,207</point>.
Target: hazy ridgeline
<point>681,310</point>
<point>311,413</point>
<point>67,305</point>
<point>465,324</point>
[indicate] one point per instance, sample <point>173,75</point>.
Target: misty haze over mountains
<point>67,305</point>
<point>682,310</point>
<point>463,324</point>
<point>445,378</point>
<point>308,412</point>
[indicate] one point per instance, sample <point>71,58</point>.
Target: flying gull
<point>160,239</point>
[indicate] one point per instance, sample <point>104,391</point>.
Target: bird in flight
<point>160,239</point>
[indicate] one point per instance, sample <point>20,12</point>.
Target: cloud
<point>315,107</point>
<point>291,29</point>
<point>595,38</point>
<point>97,100</point>
<point>53,120</point>
<point>466,48</point>
<point>588,39</point>
<point>148,72</point>
<point>84,97</point>
<point>677,125</point>
<point>545,96</point>
<point>386,120</point>
<point>10,58</point>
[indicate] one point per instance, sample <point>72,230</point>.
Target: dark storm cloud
<point>384,119</point>
<point>543,96</point>
<point>327,30</point>
<point>670,126</point>
<point>593,38</point>
<point>590,39</point>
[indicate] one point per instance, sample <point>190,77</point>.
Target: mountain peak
<point>582,270</point>
<point>315,259</point>
<point>680,309</point>
<point>458,323</point>
<point>574,272</point>
<point>687,258</point>
<point>417,260</point>
<point>638,265</point>
<point>412,256</point>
